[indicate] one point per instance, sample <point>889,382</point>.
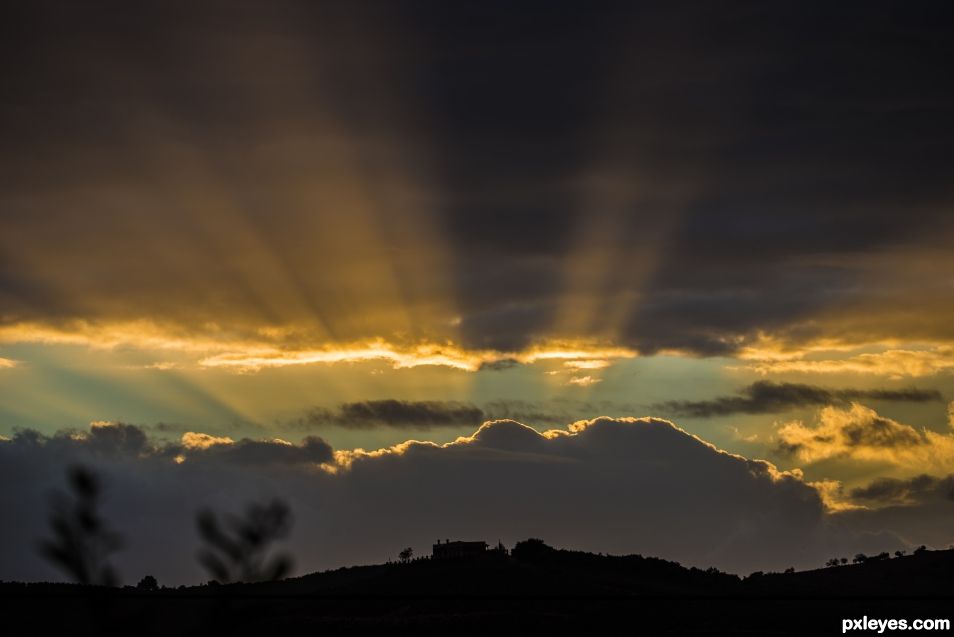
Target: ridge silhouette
<point>534,588</point>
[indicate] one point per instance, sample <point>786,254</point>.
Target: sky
<point>603,273</point>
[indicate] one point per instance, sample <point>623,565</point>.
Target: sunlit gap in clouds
<point>628,203</point>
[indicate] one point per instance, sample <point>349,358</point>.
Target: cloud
<point>433,414</point>
<point>860,433</point>
<point>766,397</point>
<point>193,440</point>
<point>7,363</point>
<point>499,366</point>
<point>310,451</point>
<point>613,485</point>
<point>403,414</point>
<point>587,364</point>
<point>546,415</point>
<point>895,491</point>
<point>639,233</point>
<point>244,349</point>
<point>890,362</point>
<point>584,381</point>
<point>918,510</point>
<point>115,438</point>
<point>106,439</point>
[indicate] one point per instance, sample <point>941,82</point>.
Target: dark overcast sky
<point>679,174</point>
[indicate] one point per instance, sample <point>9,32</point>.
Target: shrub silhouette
<point>81,541</point>
<point>237,550</point>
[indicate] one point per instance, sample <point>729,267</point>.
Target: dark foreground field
<point>534,591</point>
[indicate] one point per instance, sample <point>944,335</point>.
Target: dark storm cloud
<point>311,450</point>
<point>724,153</point>
<point>117,440</point>
<point>919,510</point>
<point>432,414</point>
<point>893,490</point>
<point>404,414</point>
<point>499,366</point>
<point>726,145</point>
<point>767,397</point>
<point>590,488</point>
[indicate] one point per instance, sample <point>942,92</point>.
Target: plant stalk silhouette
<point>81,542</point>
<point>237,549</point>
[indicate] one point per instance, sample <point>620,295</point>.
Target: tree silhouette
<point>532,549</point>
<point>148,583</point>
<point>860,558</point>
<point>832,562</point>
<point>81,543</point>
<point>237,549</point>
<point>844,561</point>
<point>406,554</point>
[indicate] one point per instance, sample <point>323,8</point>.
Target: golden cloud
<point>587,364</point>
<point>583,381</point>
<point>894,363</point>
<point>196,440</point>
<point>860,433</point>
<point>265,347</point>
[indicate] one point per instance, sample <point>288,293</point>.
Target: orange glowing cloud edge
<point>769,354</point>
<point>248,350</point>
<point>268,347</point>
<point>830,492</point>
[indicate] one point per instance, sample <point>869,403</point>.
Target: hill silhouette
<point>533,588</point>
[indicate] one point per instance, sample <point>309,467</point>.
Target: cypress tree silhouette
<point>81,541</point>
<point>237,550</point>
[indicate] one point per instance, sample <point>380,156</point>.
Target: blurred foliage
<point>81,542</point>
<point>237,549</point>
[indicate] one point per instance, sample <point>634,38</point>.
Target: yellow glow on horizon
<point>264,347</point>
<point>415,356</point>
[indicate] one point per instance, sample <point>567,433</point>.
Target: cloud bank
<point>614,485</point>
<point>655,215</point>
<point>767,397</point>
<point>404,414</point>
